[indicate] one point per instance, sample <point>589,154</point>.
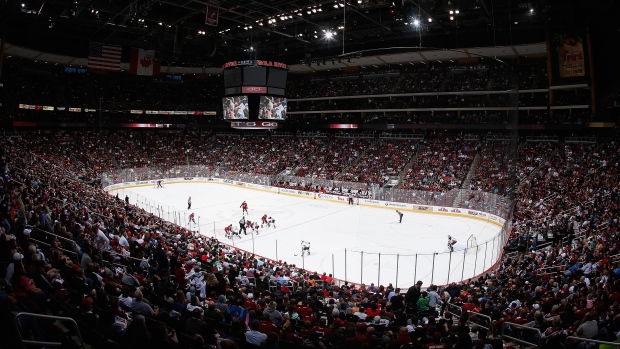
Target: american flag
<point>104,57</point>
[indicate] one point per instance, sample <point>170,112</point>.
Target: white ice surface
<point>332,227</point>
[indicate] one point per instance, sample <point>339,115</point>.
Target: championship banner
<point>212,13</point>
<point>571,58</point>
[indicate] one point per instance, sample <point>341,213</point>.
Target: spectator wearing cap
<point>16,260</point>
<point>86,310</point>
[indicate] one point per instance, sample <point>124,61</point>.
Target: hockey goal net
<point>471,242</point>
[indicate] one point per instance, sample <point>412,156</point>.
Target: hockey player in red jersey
<point>228,231</point>
<point>191,218</point>
<point>244,207</point>
<point>264,220</point>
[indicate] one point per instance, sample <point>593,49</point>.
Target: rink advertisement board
<point>326,196</point>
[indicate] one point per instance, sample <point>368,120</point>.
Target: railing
<point>571,339</point>
<point>522,335</point>
<point>19,318</point>
<point>358,266</point>
<point>481,320</point>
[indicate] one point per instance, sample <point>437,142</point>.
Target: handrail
<point>486,317</point>
<point>55,235</point>
<point>49,317</point>
<point>58,248</point>
<point>458,311</point>
<point>521,341</point>
<point>579,339</point>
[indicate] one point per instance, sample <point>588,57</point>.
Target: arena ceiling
<point>288,31</point>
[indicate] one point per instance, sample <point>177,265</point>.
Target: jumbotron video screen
<point>272,108</point>
<point>236,108</point>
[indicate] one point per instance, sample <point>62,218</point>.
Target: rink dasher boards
<point>357,200</point>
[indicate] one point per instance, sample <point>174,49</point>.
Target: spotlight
<point>416,22</point>
<point>329,35</point>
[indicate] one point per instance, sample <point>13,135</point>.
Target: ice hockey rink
<point>353,242</point>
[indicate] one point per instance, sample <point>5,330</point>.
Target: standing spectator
<point>253,336</point>
<point>413,294</point>
<point>433,298</point>
<point>397,301</point>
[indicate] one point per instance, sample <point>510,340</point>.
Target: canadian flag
<point>144,62</point>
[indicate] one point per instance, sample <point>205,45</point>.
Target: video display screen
<point>232,77</point>
<point>254,76</point>
<point>272,108</point>
<point>277,78</point>
<point>236,108</point>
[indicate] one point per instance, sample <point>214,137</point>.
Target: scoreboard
<point>259,77</point>
<point>254,90</point>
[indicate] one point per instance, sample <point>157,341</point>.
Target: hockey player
<point>451,243</point>
<point>244,207</point>
<point>242,226</point>
<point>264,220</point>
<point>270,222</point>
<point>305,247</point>
<point>228,231</point>
<point>159,184</point>
<point>189,203</point>
<point>400,216</point>
<point>350,198</point>
<point>234,232</point>
<point>255,228</point>
<point>191,218</point>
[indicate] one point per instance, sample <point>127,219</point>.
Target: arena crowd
<point>131,279</point>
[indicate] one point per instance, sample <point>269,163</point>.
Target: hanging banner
<point>212,13</point>
<point>571,58</point>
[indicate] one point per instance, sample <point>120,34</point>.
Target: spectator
<point>253,336</point>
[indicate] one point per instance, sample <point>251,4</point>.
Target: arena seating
<point>568,191</point>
